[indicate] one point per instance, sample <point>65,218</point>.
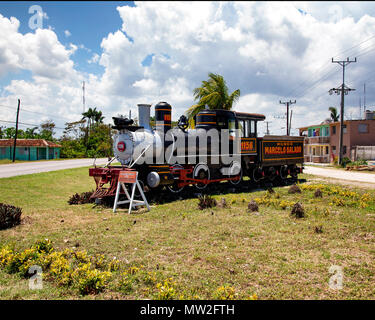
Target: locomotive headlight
<point>121,146</point>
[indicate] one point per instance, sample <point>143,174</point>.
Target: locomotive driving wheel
<point>257,174</point>
<point>284,172</point>
<point>174,187</point>
<point>202,172</point>
<point>236,171</point>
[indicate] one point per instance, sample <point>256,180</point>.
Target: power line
<point>36,112</point>
<point>316,82</point>
<point>28,124</point>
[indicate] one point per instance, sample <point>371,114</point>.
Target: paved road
<point>341,174</point>
<point>16,169</point>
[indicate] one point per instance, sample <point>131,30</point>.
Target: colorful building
<point>317,142</point>
<point>29,149</point>
<point>322,141</point>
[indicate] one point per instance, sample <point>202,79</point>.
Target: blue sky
<point>144,52</point>
<point>88,23</point>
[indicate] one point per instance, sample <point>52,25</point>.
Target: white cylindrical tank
<point>128,145</point>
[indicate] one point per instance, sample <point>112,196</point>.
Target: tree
<point>10,133</point>
<point>46,130</point>
<point>214,94</point>
<point>30,133</point>
<point>98,117</point>
<point>334,115</point>
<point>89,115</point>
<point>74,128</point>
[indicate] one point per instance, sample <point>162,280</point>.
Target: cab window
<point>232,127</point>
<point>241,127</point>
<point>252,127</point>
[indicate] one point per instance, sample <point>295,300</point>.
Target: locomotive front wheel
<point>174,187</point>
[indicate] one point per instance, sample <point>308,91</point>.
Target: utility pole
<point>287,103</point>
<point>15,137</point>
<point>343,90</point>
<point>364,100</point>
<point>290,121</point>
<point>267,122</point>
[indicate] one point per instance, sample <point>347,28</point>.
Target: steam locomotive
<point>223,147</point>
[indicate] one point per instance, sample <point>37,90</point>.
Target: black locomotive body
<point>245,154</point>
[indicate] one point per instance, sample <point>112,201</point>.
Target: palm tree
<point>214,94</point>
<point>30,133</point>
<point>90,116</point>
<point>334,114</point>
<point>98,117</point>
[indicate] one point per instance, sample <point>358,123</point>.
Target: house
<point>317,142</point>
<point>322,141</point>
<point>29,149</point>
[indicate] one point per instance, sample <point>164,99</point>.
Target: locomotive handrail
<point>108,163</point>
<point>144,150</point>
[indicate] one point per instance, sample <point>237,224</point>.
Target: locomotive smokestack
<point>144,115</point>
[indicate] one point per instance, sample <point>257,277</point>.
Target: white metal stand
<point>131,201</point>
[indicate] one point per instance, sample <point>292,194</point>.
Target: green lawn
<point>270,254</point>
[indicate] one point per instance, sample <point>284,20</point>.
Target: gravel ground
<point>16,169</point>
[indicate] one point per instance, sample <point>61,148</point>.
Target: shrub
<point>126,283</point>
<point>114,265</point>
<point>166,290</point>
<point>43,246</point>
<point>224,293</point>
<point>93,281</point>
<point>298,210</point>
<point>10,216</point>
<point>345,161</point>
<point>206,201</point>
<point>253,206</point>
<point>82,198</point>
<point>284,204</point>
<point>222,203</point>
<point>81,256</point>
<point>294,189</point>
<point>6,255</point>
<point>22,261</point>
<point>318,193</point>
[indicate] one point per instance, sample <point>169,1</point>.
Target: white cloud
<point>269,51</point>
<point>94,59</point>
<point>67,33</point>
